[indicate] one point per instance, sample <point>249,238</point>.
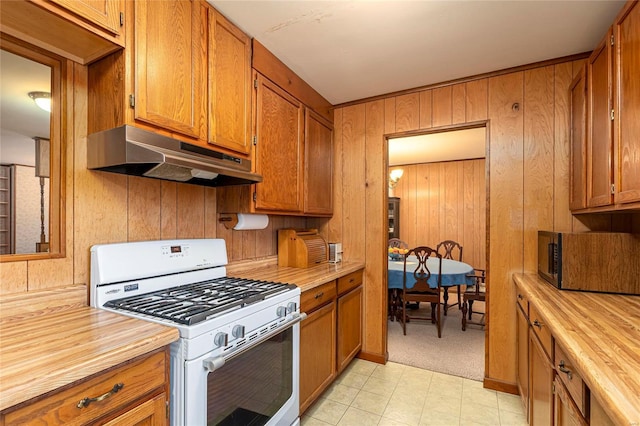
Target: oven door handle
<point>214,363</point>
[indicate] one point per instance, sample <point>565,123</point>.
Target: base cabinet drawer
<point>571,379</point>
<point>107,395</point>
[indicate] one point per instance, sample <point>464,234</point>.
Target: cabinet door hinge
<point>132,101</point>
<point>613,189</point>
<point>255,140</point>
<point>612,40</point>
<point>553,387</point>
<point>612,114</point>
<point>166,409</point>
<point>255,197</point>
<point>121,19</point>
<point>255,83</point>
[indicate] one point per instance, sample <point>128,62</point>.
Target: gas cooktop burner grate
<point>193,303</point>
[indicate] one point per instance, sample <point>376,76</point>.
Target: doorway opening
<point>440,194</point>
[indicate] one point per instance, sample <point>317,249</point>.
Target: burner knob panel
<point>281,312</point>
<point>220,339</point>
<point>238,331</point>
<point>291,307</point>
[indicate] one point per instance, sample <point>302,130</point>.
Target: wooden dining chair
<point>421,291</point>
<point>450,249</point>
<point>397,243</point>
<point>474,293</point>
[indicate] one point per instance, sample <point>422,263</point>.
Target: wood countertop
<point>601,334</point>
<point>40,353</point>
<point>305,278</point>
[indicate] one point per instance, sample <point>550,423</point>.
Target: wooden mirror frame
<point>58,136</point>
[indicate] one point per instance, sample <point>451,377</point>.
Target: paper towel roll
<point>251,221</point>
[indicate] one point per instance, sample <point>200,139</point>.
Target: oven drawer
<point>571,378</point>
<point>541,330</point>
<point>318,296</point>
<point>138,379</point>
<point>349,282</point>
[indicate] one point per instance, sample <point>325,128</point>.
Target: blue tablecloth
<point>453,272</point>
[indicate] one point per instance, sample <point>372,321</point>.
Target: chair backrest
<point>448,249</point>
<point>397,242</point>
<point>421,273</point>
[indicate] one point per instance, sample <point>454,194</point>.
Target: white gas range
<point>237,359</point>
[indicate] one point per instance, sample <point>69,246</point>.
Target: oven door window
<point>253,386</point>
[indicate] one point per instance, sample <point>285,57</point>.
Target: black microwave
<point>590,261</point>
<point>550,257</point>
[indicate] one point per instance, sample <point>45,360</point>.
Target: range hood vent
<point>133,151</point>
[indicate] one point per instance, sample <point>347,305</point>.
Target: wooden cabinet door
<point>317,353</point>
<point>152,412</point>
<point>540,384</point>
<point>599,136</point>
<point>103,13</point>
<point>278,152</point>
<point>627,106</point>
<point>349,327</point>
<point>566,413</point>
<point>522,378</point>
<point>230,82</point>
<point>170,54</point>
<point>318,164</point>
<point>578,161</point>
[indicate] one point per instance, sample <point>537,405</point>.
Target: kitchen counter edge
<point>605,369</point>
<point>305,278</point>
<point>43,353</point>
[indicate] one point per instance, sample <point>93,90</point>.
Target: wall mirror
<point>31,160</point>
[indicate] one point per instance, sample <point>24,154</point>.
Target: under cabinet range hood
<point>133,151</point>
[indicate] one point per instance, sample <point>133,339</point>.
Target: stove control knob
<point>238,331</point>
<point>220,339</point>
<point>282,311</point>
<point>291,307</point>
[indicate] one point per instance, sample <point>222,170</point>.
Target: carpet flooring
<point>459,353</point>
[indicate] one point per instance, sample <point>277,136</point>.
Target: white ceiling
<point>350,50</point>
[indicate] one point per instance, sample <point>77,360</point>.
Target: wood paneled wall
<point>527,117</point>
<point>445,201</point>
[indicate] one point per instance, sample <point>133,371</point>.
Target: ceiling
<point>350,50</point>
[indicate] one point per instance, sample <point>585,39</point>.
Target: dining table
<point>453,273</point>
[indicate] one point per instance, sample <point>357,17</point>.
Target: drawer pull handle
<point>84,402</point>
<point>520,297</point>
<point>565,370</point>
<point>319,295</point>
<point>538,324</point>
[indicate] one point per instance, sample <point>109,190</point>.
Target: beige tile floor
<point>367,393</point>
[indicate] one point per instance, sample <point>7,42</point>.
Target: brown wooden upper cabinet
<point>613,127</point>
<point>186,73</point>
<point>578,161</point>
<point>279,123</point>
<point>600,126</point>
<point>158,82</point>
<point>293,153</point>
<point>80,30</point>
<point>107,14</point>
<point>627,104</point>
<point>318,164</point>
<point>230,85</point>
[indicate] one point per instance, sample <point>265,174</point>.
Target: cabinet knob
<point>537,323</point>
